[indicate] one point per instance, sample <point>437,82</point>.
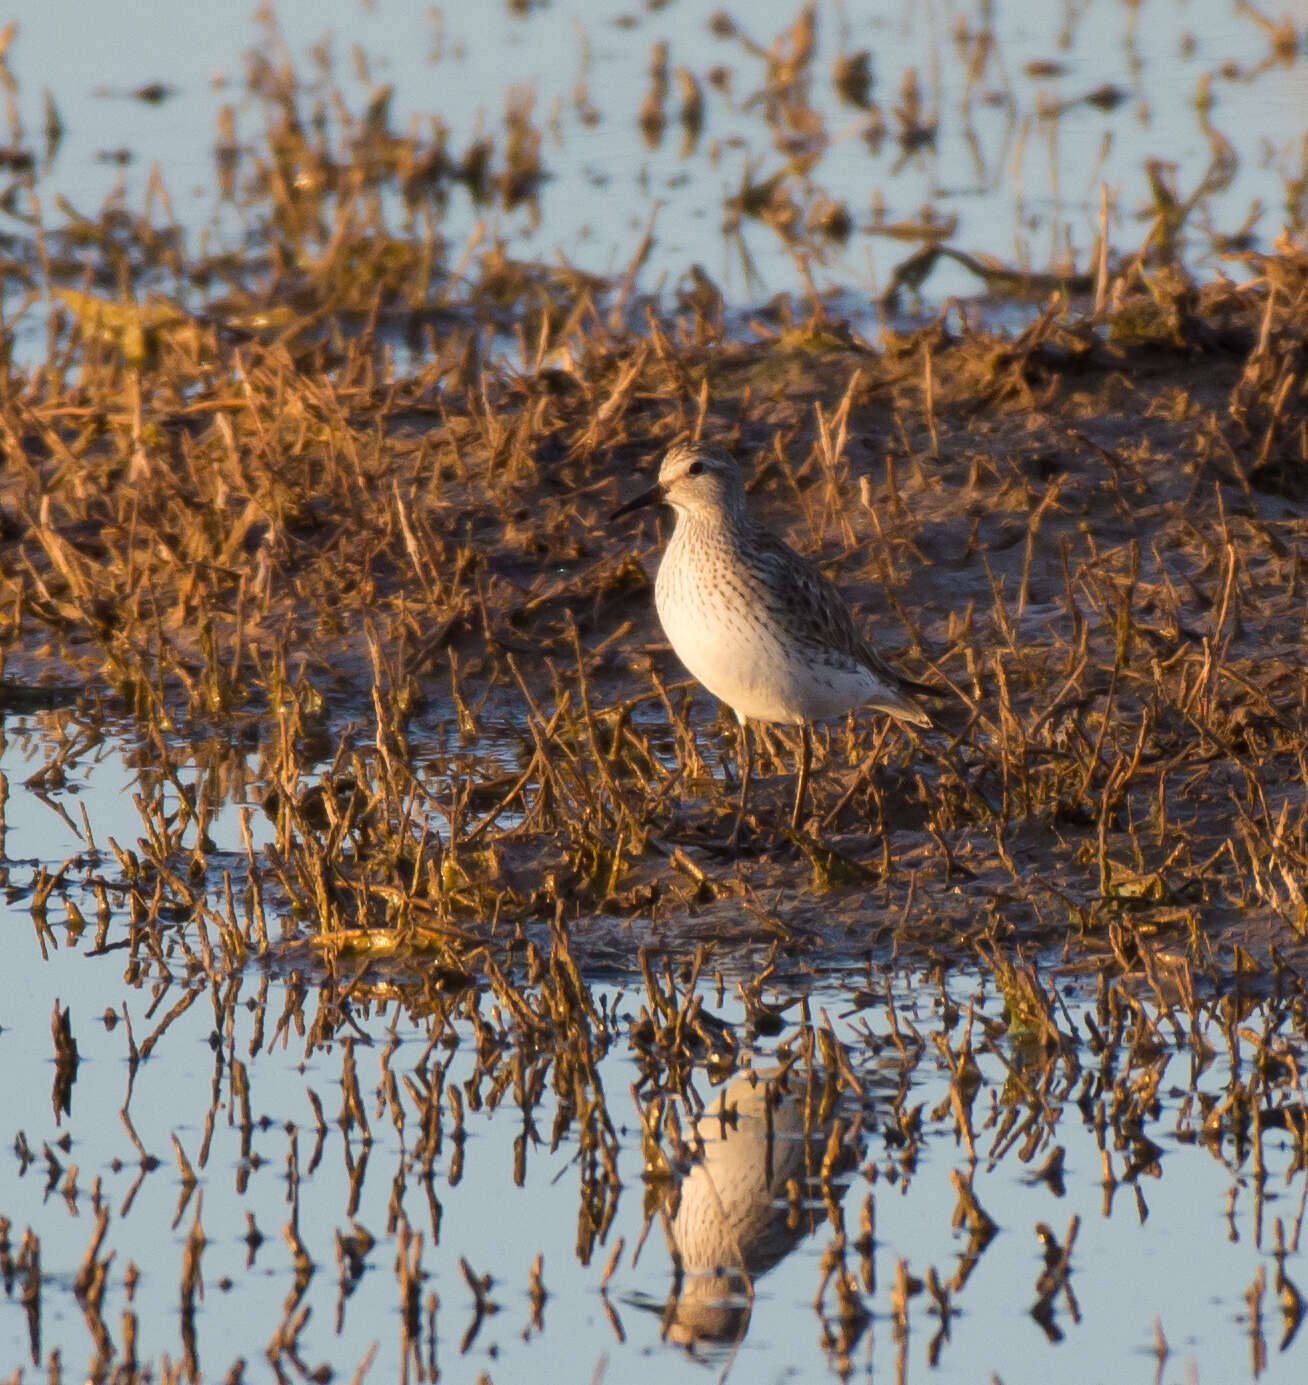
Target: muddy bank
<point>403,591</point>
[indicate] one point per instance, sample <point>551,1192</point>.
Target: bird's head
<point>696,479</point>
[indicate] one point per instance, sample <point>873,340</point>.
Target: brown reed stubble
<point>275,535</point>
<point>323,586</point>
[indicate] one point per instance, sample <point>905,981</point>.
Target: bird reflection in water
<point>750,1195</point>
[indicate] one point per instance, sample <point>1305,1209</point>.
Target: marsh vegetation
<point>412,961</point>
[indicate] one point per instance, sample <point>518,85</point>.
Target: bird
<point>755,622</point>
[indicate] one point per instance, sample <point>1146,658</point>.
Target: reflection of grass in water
<point>994,132</point>
<point>811,1168</point>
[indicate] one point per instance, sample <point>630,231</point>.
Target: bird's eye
<point>695,469</point>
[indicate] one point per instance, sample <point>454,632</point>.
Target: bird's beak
<point>649,497</point>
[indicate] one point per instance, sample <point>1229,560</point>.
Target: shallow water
<point>1174,1227</point>
<point>396,1139</point>
<point>1198,85</point>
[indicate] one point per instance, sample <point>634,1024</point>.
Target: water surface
<point>248,1077</point>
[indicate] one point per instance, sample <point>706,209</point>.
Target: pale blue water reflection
<point>232,1091</point>
<point>1187,95</point>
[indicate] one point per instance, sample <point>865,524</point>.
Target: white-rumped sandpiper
<point>757,624</point>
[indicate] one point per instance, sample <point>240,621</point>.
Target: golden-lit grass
<point>334,546</point>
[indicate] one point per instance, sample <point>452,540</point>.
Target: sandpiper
<point>757,624</point>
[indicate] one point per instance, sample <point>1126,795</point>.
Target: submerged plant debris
<point>321,535</point>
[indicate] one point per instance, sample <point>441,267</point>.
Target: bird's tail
<point>892,690</point>
<point>890,699</point>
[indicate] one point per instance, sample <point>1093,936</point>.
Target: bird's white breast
<point>719,624</point>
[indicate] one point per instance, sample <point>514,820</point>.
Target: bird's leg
<point>805,763</point>
<point>746,769</point>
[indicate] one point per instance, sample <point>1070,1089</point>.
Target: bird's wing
<point>816,614</point>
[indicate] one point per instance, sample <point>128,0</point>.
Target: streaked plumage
<point>757,624</point>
